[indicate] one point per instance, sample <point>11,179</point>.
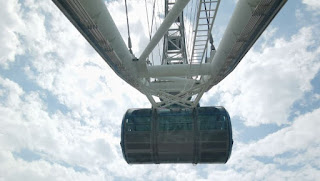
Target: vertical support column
<point>154,132</point>
<point>195,136</point>
<point>170,18</point>
<point>174,51</point>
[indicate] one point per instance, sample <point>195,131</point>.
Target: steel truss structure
<point>174,50</point>
<point>179,80</point>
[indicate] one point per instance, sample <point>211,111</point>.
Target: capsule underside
<point>199,135</point>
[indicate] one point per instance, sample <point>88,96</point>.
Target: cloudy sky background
<point>61,105</point>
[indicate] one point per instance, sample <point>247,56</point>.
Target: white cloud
<point>317,97</point>
<point>309,155</point>
<point>281,71</point>
<point>271,157</point>
<point>10,25</point>
<point>25,124</point>
<point>65,64</point>
<point>260,171</point>
<point>18,169</point>
<point>312,4</point>
<point>299,136</point>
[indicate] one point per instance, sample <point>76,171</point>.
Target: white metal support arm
<point>173,84</point>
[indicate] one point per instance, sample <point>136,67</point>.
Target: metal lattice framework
<point>179,80</point>
<point>174,50</point>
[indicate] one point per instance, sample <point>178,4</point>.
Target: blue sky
<point>61,105</point>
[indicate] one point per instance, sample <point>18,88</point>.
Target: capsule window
<point>175,123</point>
<point>130,128</point>
<point>212,122</point>
<point>138,124</point>
<point>222,118</point>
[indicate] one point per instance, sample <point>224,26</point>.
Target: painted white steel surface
<point>238,21</point>
<point>171,83</point>
<point>179,70</point>
<point>101,16</point>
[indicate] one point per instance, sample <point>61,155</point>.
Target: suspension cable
<point>153,9</point>
<point>129,38</point>
<point>156,25</point>
<point>145,2</point>
<point>149,31</point>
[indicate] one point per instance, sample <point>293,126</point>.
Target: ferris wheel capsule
<point>198,135</point>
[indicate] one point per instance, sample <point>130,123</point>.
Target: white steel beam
<point>179,70</point>
<point>239,19</point>
<point>249,20</point>
<point>93,20</point>
<point>99,13</point>
<point>171,86</point>
<point>173,79</point>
